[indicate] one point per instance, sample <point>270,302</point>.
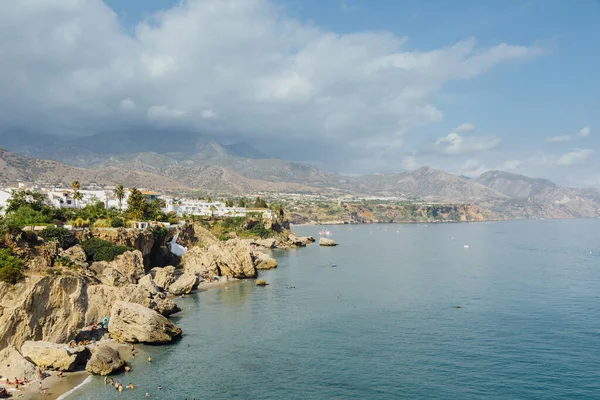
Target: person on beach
<point>130,386</point>
<point>127,368</point>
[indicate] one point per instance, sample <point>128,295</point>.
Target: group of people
<point>16,382</point>
<point>118,386</point>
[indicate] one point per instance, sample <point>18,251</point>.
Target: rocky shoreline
<point>74,321</point>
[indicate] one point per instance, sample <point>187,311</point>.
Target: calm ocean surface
<point>383,324</point>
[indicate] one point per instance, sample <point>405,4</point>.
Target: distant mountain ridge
<point>188,161</point>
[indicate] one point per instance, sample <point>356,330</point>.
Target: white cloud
<point>576,156</point>
<point>455,144</point>
<point>127,105</point>
<point>465,128</point>
<point>585,132</point>
<point>559,139</point>
<point>265,72</point>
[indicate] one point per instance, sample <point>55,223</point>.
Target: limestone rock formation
<point>264,261</point>
<point>54,356</point>
<point>104,360</point>
<point>12,363</point>
<point>42,308</point>
<point>76,255</point>
<point>269,243</point>
<point>232,258</point>
<point>327,242</point>
<point>133,323</point>
<point>184,284</point>
<point>163,277</point>
<point>126,268</point>
<point>102,297</point>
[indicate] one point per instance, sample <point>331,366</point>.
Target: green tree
<point>75,185</point>
<point>228,203</point>
<point>136,204</point>
<point>242,202</point>
<point>120,195</point>
<point>260,203</point>
<point>22,197</point>
<point>78,196</point>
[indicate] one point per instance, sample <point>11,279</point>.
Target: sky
<point>350,86</point>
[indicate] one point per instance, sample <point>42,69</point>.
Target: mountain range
<point>184,161</point>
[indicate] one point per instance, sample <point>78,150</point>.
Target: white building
<point>210,209</point>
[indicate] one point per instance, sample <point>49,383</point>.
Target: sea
<point>493,310</point>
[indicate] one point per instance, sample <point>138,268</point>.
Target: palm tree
<point>120,195</point>
<point>75,186</point>
<point>78,197</point>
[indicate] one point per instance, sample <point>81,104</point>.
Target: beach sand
<point>56,387</point>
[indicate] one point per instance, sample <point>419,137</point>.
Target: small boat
<point>333,265</point>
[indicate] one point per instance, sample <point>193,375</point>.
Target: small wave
<point>65,395</point>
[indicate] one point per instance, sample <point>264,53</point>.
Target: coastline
<point>57,387</point>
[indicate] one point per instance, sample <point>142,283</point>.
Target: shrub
<point>64,237</point>
<point>65,261</point>
<point>102,223</point>
<point>79,223</point>
<point>101,250</point>
<point>117,222</point>
<point>11,267</point>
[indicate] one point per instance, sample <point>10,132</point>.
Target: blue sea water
<point>383,323</point>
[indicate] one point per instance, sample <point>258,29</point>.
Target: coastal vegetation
<point>102,250</point>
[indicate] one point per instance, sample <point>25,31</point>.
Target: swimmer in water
<point>149,359</point>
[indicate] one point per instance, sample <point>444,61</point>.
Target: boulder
<point>104,360</point>
<point>76,255</point>
<point>184,284</point>
<point>133,323</point>
<point>295,241</point>
<point>163,277</point>
<point>148,283</point>
<point>126,268</point>
<point>48,355</point>
<point>232,258</point>
<point>102,297</point>
<point>112,277</point>
<point>327,242</point>
<point>13,364</point>
<point>130,264</point>
<point>269,243</point>
<point>264,261</point>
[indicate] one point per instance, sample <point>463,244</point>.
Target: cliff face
<point>42,308</point>
<point>54,308</point>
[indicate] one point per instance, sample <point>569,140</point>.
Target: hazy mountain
<point>428,184</point>
<point>17,168</point>
<point>542,197</point>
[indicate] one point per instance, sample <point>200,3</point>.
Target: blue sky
<point>531,75</point>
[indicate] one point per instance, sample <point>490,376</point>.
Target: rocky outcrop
<point>42,308</point>
<point>104,360</point>
<point>54,356</point>
<point>296,241</point>
<point>13,364</point>
<point>264,261</point>
<point>232,258</point>
<point>269,243</point>
<point>76,255</point>
<point>327,242</point>
<point>163,277</point>
<point>184,284</point>
<point>102,297</point>
<point>134,323</point>
<point>126,268</point>
<point>43,256</point>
